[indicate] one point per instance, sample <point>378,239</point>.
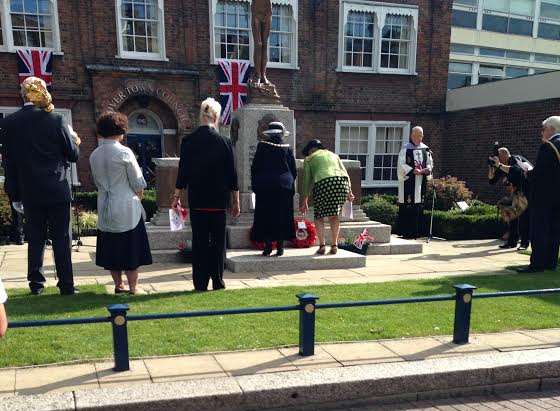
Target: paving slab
<point>321,358</point>
<point>138,374</point>
<point>184,368</point>
<point>432,347</point>
<point>513,341</point>
<point>63,401</point>
<point>55,379</point>
<point>7,382</point>
<point>254,362</point>
<point>293,259</point>
<point>361,353</point>
<point>551,336</point>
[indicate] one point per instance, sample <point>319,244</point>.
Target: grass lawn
<point>165,337</point>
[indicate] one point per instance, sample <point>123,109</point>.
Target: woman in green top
<point>325,176</point>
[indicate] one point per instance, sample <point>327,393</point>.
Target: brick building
<point>358,73</point>
<point>508,111</point>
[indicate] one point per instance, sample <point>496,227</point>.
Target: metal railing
<point>307,306</point>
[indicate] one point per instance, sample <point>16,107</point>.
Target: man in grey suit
<point>42,146</point>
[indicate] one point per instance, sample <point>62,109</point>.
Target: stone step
<point>238,235</point>
<point>162,238</point>
<point>396,246</point>
<point>294,259</point>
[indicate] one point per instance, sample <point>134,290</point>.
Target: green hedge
<point>88,201</point>
<point>480,221</point>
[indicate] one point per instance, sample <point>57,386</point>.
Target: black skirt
<point>274,215</point>
<point>123,251</point>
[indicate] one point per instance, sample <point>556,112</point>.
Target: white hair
<point>210,111</point>
<point>553,122</point>
<point>504,150</point>
<point>418,128</point>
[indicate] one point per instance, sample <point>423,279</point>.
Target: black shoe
<point>37,291</point>
<point>71,291</point>
<point>16,241</point>
<point>267,250</point>
<point>507,245</point>
<point>529,270</point>
<point>523,247</point>
<point>218,287</point>
<point>279,249</point>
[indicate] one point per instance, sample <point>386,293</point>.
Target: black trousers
<point>410,220</point>
<point>16,227</point>
<point>519,229</point>
<point>545,237</point>
<point>209,248</point>
<point>56,219</point>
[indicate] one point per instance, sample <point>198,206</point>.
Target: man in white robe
<point>414,168</point>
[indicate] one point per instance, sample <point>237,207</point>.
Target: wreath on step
<point>306,235</point>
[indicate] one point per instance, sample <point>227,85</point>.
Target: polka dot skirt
<point>329,195</point>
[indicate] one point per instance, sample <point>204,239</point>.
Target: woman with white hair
<point>207,170</point>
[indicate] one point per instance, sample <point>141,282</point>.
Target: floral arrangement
<point>185,251</point>
<point>306,235</point>
<point>359,245</point>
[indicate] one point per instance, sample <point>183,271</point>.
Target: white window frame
<point>7,34</point>
<point>135,55</point>
<point>380,10</point>
<point>294,65</point>
<point>369,182</point>
<point>66,113</point>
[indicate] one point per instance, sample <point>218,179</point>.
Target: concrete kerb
<point>387,382</point>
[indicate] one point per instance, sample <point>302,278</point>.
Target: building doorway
<point>145,139</point>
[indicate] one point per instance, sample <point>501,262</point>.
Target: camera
<point>494,152</point>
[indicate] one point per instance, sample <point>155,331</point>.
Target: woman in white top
<point>3,318</point>
<point>122,242</point>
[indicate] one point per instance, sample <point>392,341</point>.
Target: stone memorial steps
<point>294,259</point>
<point>396,246</point>
<point>162,238</point>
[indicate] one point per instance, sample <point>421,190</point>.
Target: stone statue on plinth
<point>261,90</point>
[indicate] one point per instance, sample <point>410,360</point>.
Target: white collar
<point>29,103</point>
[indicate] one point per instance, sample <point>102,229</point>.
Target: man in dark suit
<point>545,200</point>
<point>10,188</point>
<point>41,146</point>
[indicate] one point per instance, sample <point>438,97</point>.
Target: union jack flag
<point>35,63</point>
<point>233,77</point>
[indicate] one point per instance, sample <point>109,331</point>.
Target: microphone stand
<point>430,235</point>
<point>78,240</point>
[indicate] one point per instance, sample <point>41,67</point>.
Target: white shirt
<point>118,178</point>
<point>3,295</point>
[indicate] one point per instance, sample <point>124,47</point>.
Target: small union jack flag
<point>233,77</point>
<point>35,63</point>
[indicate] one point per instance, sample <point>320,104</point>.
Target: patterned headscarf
<point>35,91</point>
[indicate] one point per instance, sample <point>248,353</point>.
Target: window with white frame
<point>281,37</point>
<point>460,75</point>
<point>141,30</point>
<point>231,33</point>
<point>377,38</point>
<point>359,39</point>
<point>29,24</point>
<point>376,145</point>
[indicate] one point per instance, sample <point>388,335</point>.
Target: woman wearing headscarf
<point>324,173</point>
<point>122,241</point>
<point>273,174</point>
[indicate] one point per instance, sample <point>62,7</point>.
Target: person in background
<point>3,317</point>
<point>273,175</point>
<point>510,170</point>
<point>414,166</point>
<point>40,148</point>
<point>122,241</point>
<point>10,187</point>
<point>544,181</point>
<point>207,170</point>
<point>324,172</point>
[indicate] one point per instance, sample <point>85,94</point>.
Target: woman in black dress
<point>273,174</point>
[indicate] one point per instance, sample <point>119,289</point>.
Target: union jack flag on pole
<point>233,76</point>
<point>35,63</point>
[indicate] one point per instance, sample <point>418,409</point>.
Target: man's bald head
<point>417,135</point>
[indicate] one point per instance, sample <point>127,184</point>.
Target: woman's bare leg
<point>335,229</point>
<point>132,277</point>
<point>117,279</point>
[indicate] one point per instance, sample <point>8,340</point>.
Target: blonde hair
<point>210,111</point>
<point>34,90</point>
